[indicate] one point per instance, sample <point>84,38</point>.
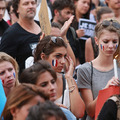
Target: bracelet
<point>72,88</point>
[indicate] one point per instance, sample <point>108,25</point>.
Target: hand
<point>63,31</point>
<point>70,66</point>
<point>80,32</point>
<point>66,25</point>
<point>42,36</point>
<point>113,82</point>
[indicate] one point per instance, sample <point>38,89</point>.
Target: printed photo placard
<point>88,26</point>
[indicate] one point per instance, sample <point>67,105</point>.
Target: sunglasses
<point>115,24</point>
<point>54,39</point>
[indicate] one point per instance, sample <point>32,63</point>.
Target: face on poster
<point>88,26</point>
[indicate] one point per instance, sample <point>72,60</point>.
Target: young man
<point>21,38</point>
<point>62,11</point>
<point>3,24</point>
<point>115,6</point>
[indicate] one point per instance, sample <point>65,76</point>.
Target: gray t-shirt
<point>99,78</point>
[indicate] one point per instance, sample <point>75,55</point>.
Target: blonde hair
<point>99,30</point>
<point>8,58</point>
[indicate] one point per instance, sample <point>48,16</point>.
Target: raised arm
<point>77,105</point>
<point>64,30</point>
<point>55,31</point>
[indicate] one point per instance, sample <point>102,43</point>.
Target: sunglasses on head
<point>115,24</point>
<point>54,39</point>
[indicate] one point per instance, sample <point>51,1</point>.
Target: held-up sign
<point>88,26</point>
<point>44,19</point>
<point>103,96</point>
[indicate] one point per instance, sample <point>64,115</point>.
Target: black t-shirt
<point>108,111</point>
<point>19,43</point>
<point>3,27</point>
<point>73,41</point>
<point>81,43</point>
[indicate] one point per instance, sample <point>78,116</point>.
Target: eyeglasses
<point>115,24</point>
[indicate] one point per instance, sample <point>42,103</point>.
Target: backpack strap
<point>73,33</point>
<point>64,86</point>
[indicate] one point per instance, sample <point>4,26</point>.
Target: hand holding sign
<point>113,82</point>
<point>112,88</point>
<point>80,32</point>
<point>88,26</point>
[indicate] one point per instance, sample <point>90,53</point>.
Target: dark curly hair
<point>61,4</point>
<point>47,47</point>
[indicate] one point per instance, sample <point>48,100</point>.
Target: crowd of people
<point>58,76</point>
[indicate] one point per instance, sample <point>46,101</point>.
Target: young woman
<point>54,50</point>
<point>19,101</point>
<point>8,72</point>
<point>42,75</point>
<point>98,74</point>
<point>82,10</point>
<point>91,49</point>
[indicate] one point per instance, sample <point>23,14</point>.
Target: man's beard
<point>61,22</point>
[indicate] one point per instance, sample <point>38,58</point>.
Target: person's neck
<point>103,63</point>
<point>7,91</point>
<point>78,15</point>
<point>29,26</point>
<point>56,21</point>
<point>25,23</point>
